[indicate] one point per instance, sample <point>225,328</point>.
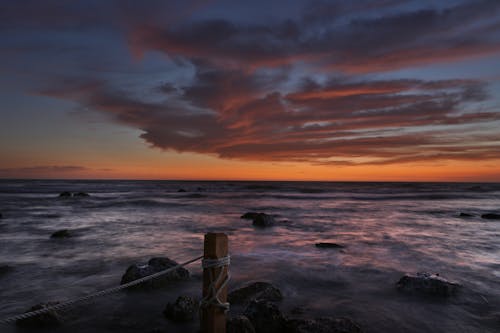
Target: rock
<point>44,320</point>
<point>426,283</point>
<point>154,265</point>
<point>4,269</point>
<point>184,309</point>
<point>1,216</point>
<point>257,290</point>
<point>81,194</point>
<point>329,245</point>
<point>181,190</point>
<point>263,220</point>
<point>322,325</point>
<point>465,215</point>
<point>265,317</point>
<point>194,196</point>
<point>491,216</point>
<point>64,233</point>
<point>249,215</point>
<point>239,324</point>
<point>65,194</point>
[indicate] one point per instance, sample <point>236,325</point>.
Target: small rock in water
<point>491,216</point>
<point>1,216</point>
<point>181,190</point>
<point>465,215</point>
<point>154,265</point>
<point>64,233</point>
<point>184,309</point>
<point>322,325</point>
<point>426,283</point>
<point>265,317</point>
<point>329,245</point>
<point>44,320</point>
<point>65,194</point>
<point>4,269</point>
<point>263,220</point>
<point>257,290</point>
<point>249,215</point>
<point>239,324</point>
<point>81,194</point>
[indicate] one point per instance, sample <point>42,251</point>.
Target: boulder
<point>155,265</point>
<point>81,194</point>
<point>491,216</point>
<point>184,309</point>
<point>257,290</point>
<point>44,320</point>
<point>263,220</point>
<point>465,215</point>
<point>64,233</point>
<point>239,324</point>
<point>265,317</point>
<point>65,194</point>
<point>426,283</point>
<point>249,215</point>
<point>181,190</point>
<point>322,325</point>
<point>324,245</point>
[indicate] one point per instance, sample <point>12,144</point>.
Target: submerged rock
<point>4,269</point>
<point>249,215</point>
<point>257,290</point>
<point>181,190</point>
<point>44,320</point>
<point>239,324</point>
<point>184,309</point>
<point>426,283</point>
<point>263,220</point>
<point>81,194</point>
<point>265,317</point>
<point>322,325</point>
<point>329,245</point>
<point>65,194</point>
<point>465,215</point>
<point>64,233</point>
<point>155,265</point>
<point>1,216</point>
<point>491,216</point>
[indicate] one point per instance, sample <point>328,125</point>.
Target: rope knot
<point>212,296</point>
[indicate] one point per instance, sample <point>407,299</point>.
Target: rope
<point>94,295</point>
<point>212,297</point>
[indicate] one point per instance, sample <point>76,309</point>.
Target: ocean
<point>388,229</point>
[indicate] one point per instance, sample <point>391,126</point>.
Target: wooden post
<point>213,319</point>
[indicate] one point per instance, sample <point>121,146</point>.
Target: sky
<point>380,90</point>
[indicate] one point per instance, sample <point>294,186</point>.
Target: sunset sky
<point>272,90</point>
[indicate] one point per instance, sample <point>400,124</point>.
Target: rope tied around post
<point>216,285</point>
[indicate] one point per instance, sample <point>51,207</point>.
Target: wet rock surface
<point>67,194</point>
<point>154,265</point>
<point>44,320</point>
<point>64,233</point>
<point>184,309</point>
<point>239,324</point>
<point>322,325</point>
<point>257,290</point>
<point>465,215</point>
<point>491,216</point>
<point>249,215</point>
<point>263,220</point>
<point>326,245</point>
<point>4,269</point>
<point>265,317</point>
<point>428,284</point>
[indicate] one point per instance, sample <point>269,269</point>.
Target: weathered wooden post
<point>213,312</point>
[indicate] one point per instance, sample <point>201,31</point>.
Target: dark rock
<point>154,265</point>
<point>491,216</point>
<point>249,215</point>
<point>263,220</point>
<point>1,216</point>
<point>65,194</point>
<point>322,325</point>
<point>181,190</point>
<point>329,245</point>
<point>64,233</point>
<point>239,324</point>
<point>194,196</point>
<point>184,309</point>
<point>257,290</point>
<point>465,215</point>
<point>44,320</point>
<point>4,269</point>
<point>81,194</point>
<point>426,283</point>
<point>265,317</point>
